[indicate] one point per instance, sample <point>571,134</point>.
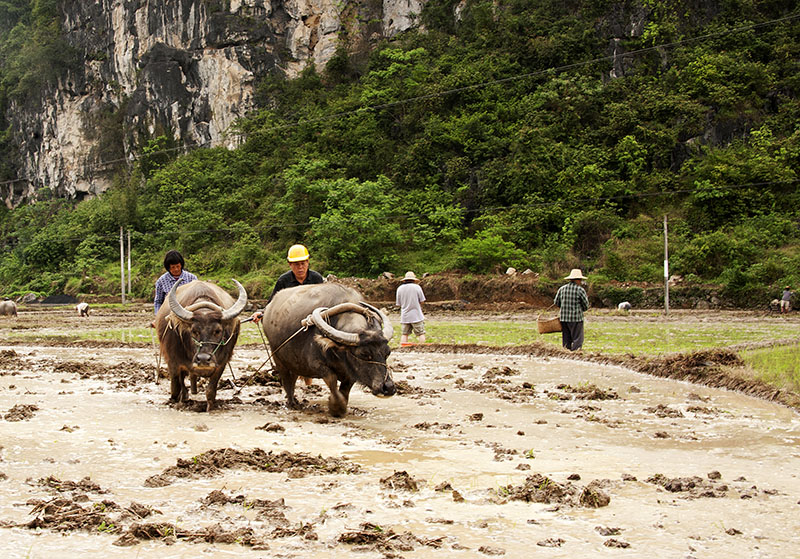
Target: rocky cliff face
<point>181,68</point>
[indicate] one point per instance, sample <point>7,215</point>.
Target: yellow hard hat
<point>297,253</point>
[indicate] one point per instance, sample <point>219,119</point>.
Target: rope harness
<point>158,355</point>
<point>218,344</point>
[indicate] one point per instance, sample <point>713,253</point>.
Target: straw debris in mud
<point>212,462</point>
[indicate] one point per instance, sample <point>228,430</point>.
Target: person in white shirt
<point>409,298</point>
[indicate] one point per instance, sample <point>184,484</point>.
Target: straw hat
<point>410,277</point>
<point>575,274</point>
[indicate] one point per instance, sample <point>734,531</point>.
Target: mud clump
<point>494,382</point>
<point>435,426</point>
<point>551,542</point>
<point>694,487</point>
<point>541,489</point>
<point>211,463</point>
<point>371,537</point>
<point>261,378</point>
<point>499,372</point>
<point>169,533</point>
<point>405,389</point>
<point>269,511</point>
<point>593,497</point>
<point>663,411</point>
<point>588,392</point>
<point>401,481</point>
<point>9,358</point>
<point>21,412</point>
<point>64,515</point>
<point>125,375</point>
<point>86,485</point>
<point>500,452</point>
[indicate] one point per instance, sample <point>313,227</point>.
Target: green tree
<point>357,232</point>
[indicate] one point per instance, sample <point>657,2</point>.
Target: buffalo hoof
<point>293,404</point>
<point>337,405</point>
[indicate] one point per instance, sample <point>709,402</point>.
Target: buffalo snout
<point>386,389</point>
<point>203,359</point>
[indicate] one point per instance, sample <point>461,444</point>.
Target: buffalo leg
<point>184,392</point>
<point>193,383</point>
<point>211,389</point>
<point>288,380</point>
<point>344,388</point>
<point>337,401</point>
<point>175,385</point>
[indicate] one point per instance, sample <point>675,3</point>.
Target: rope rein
<point>270,353</point>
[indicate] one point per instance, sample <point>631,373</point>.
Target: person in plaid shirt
<point>173,264</point>
<point>571,300</point>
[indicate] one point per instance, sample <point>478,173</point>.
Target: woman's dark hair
<point>173,257</point>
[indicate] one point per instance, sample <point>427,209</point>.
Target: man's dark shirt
<point>288,280</point>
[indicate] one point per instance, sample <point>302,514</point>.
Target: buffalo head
<point>360,340</point>
<point>208,326</point>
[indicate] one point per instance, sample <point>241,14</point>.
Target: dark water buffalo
<point>347,341</point>
<point>197,331</point>
<point>8,308</point>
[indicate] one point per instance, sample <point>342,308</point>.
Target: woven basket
<point>548,325</point>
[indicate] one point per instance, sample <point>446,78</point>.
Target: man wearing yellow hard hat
<point>299,274</point>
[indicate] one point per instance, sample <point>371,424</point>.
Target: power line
<point>380,106</point>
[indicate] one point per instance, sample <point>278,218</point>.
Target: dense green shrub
<point>356,233</point>
<point>485,251</point>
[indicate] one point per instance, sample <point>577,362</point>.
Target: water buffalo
<point>197,331</point>
<point>8,308</point>
<point>347,341</point>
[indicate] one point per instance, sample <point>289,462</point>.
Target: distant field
<point>647,333</point>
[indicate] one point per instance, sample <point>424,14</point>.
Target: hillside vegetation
<point>501,133</point>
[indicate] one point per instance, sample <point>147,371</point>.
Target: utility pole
<point>666,268</point>
<point>129,261</point>
<point>122,264</point>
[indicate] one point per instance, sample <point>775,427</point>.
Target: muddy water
<point>476,424</point>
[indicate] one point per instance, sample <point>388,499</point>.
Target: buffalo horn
<point>175,306</point>
<point>343,307</point>
<point>238,306</point>
<point>347,338</point>
<point>386,325</point>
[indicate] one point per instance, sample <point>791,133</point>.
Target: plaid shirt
<point>572,301</point>
<point>165,283</point>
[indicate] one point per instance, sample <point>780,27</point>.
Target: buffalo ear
<point>328,346</point>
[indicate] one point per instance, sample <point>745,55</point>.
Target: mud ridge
<point>211,463</point>
<point>716,368</point>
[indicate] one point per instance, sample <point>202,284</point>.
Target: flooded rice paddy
<point>476,456</point>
